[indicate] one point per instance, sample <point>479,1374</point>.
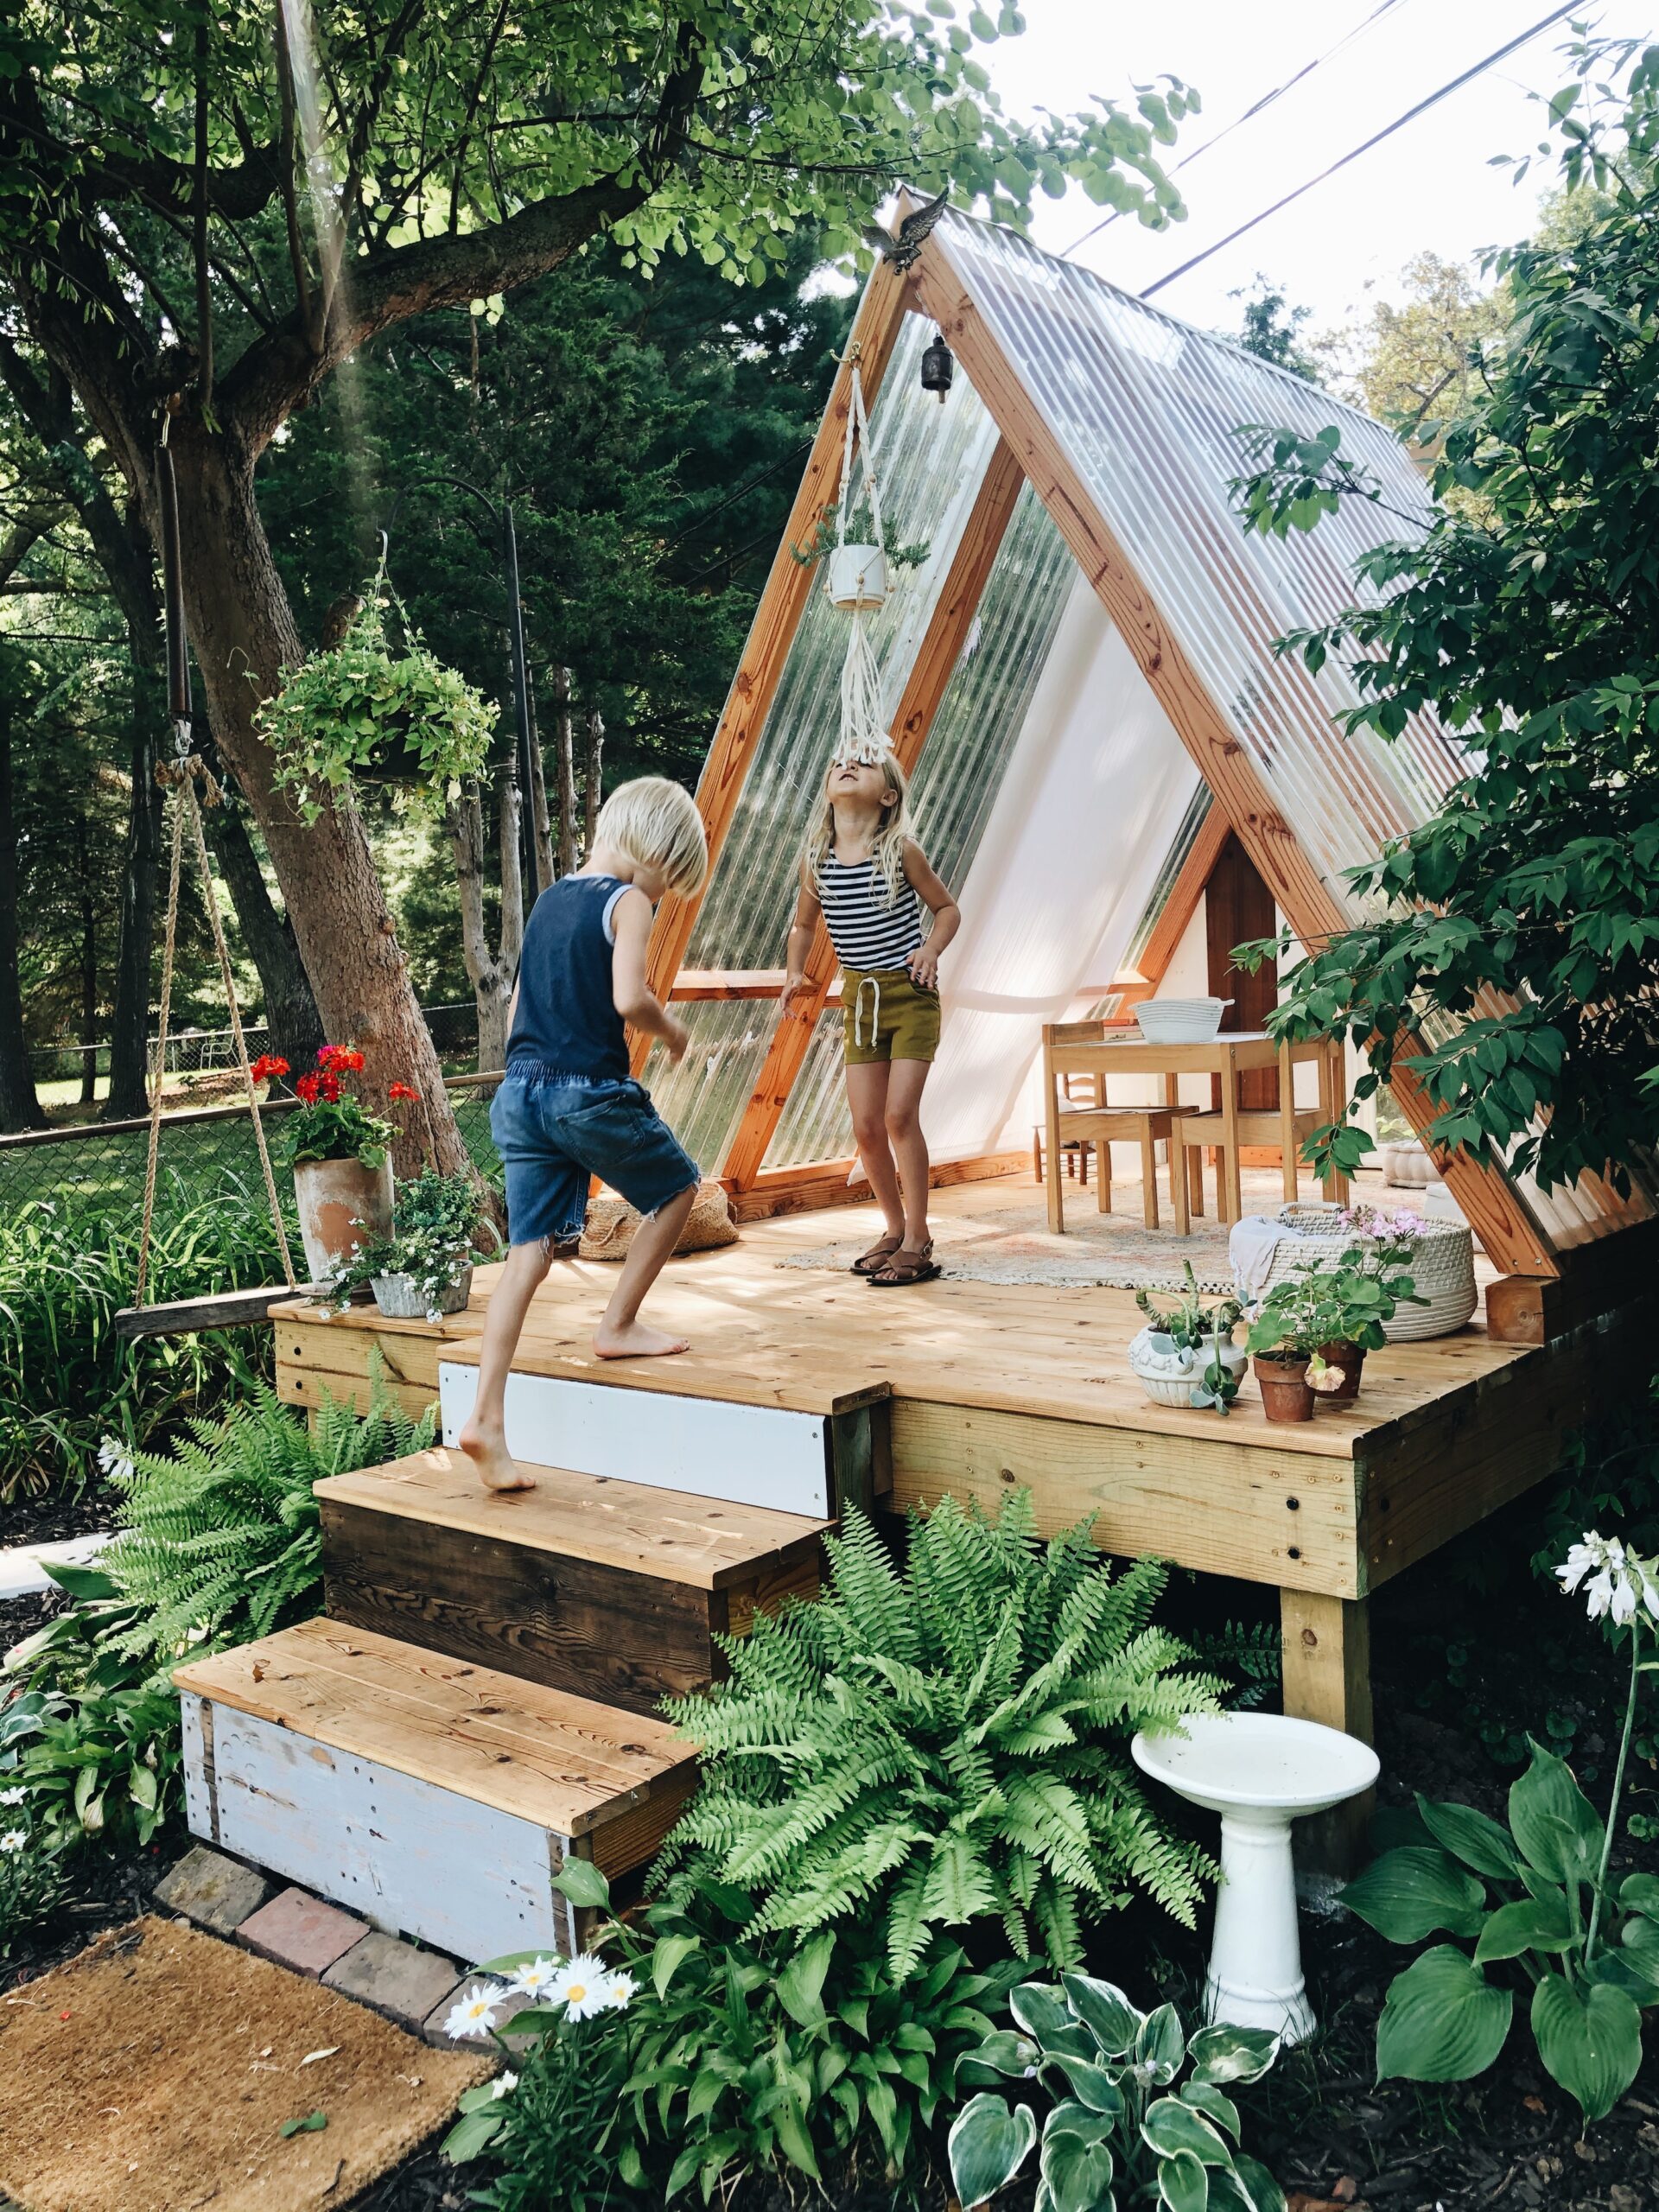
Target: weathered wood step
<point>610,1589</point>
<point>436,1797</point>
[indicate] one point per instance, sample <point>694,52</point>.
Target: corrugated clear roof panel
<point>979,718</point>
<point>932,460</point>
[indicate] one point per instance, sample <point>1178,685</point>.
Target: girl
<point>869,882</point>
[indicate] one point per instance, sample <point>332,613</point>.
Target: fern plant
<point>931,1748</point>
<point>221,1537</point>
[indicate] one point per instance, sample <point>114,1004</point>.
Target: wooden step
<point>619,1418</point>
<point>435,1797</point>
<point>610,1589</point>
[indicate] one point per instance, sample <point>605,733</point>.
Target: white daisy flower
<point>475,2013</point>
<point>534,1979</point>
<point>622,1989</point>
<point>503,2085</point>
<point>14,1839</point>
<point>581,1985</point>
<point>13,1796</point>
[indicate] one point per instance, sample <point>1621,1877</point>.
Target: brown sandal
<point>908,1266</point>
<point>872,1263</point>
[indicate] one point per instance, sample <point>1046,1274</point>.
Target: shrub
<point>31,1879</point>
<point>928,1749</point>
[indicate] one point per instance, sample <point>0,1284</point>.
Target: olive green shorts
<point>886,1016</point>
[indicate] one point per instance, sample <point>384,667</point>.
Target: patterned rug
<point>1113,1251</point>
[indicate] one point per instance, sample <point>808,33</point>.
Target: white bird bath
<point>1260,1772</point>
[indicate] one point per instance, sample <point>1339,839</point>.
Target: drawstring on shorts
<point>866,983</point>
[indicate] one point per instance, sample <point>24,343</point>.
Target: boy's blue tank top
<point>567,1016</point>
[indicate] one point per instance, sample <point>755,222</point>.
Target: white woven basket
<point>1442,1266</point>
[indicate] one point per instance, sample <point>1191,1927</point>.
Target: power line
<point>1388,131</point>
<point>1256,108</point>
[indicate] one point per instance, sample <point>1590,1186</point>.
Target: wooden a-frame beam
<point>1183,895</point>
<point>946,634</point>
<point>875,332</point>
<point>1489,1201</point>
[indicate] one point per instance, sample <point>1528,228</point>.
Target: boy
<point>567,1108</point>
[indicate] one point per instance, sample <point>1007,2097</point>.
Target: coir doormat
<point>157,2071</point>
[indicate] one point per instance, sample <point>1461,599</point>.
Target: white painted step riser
<point>410,1856</point>
<point>711,1447</point>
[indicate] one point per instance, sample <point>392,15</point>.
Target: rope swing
<point>182,775</point>
<point>863,723</point>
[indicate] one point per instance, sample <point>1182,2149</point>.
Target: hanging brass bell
<point>939,367</point>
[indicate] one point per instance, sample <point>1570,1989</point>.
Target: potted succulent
<point>856,564</point>
<point>1185,1356</point>
<point>422,1268</point>
<point>340,1155</point>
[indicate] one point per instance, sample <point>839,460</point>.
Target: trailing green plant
<point>719,2056</point>
<point>930,1749</point>
<point>861,530</point>
<point>434,1222</point>
<point>1119,2129</point>
<point>362,710</point>
<point>1346,1303</point>
<point>67,1268</point>
<point>1534,1896</point>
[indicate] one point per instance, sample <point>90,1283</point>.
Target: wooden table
<point>1226,1056</point>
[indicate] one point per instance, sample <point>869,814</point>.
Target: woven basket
<point>1442,1266</point>
<point>612,1221</point>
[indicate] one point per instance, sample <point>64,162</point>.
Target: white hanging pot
<point>856,576</point>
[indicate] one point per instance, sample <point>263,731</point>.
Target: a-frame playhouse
<point>1081,675</point>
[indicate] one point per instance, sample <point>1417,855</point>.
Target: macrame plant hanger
<point>863,727</point>
<point>225,1309</point>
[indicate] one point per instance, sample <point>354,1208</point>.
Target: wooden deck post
<point>1326,1658</point>
<point>941,649</point>
<point>875,331</point>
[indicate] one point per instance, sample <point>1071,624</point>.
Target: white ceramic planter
<point>1260,1772</point>
<point>399,1300</point>
<point>342,1206</point>
<point>856,576</point>
<point>1169,1373</point>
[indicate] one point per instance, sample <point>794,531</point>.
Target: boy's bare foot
<point>497,1468</point>
<point>634,1340</point>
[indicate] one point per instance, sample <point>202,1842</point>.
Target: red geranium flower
<point>329,1084</point>
<point>402,1091</point>
<point>339,1059</point>
<point>307,1088</point>
<point>268,1065</point>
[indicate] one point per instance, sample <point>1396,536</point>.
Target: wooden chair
<point>1283,1129</point>
<point>1093,1121</point>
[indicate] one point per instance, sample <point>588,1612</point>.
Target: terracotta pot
<point>342,1204</point>
<point>1285,1392</point>
<point>1344,1363</point>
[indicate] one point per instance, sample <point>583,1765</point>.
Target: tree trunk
<point>294,1024</point>
<point>140,859</point>
<point>541,825</point>
<point>593,783</point>
<point>491,973</point>
<point>567,760</point>
<point>244,634</point>
<point>20,1108</point>
<point>88,967</point>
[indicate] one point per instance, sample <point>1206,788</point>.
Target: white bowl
<point>1180,1021</point>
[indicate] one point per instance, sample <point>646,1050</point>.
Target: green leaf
<point>1183,2183</point>
<point>1640,1893</point>
<point>988,2143</point>
<point>1553,1820</point>
<point>1104,2011</point>
<point>1590,2041</point>
<point>1225,2053</point>
<point>1090,2084</point>
<point>1078,2173</point>
<point>800,1986</point>
<point>794,2140</point>
<point>1414,1891</point>
<point>1204,2097</point>
<point>580,1881</point>
<point>668,1955</point>
<point>1442,2021</point>
<point>1042,2012</point>
<point>1261,2190</point>
<point>312,2123</point>
<point>1528,1924</point>
<point>1004,2053</point>
<point>1161,2046</point>
<point>469,2138</point>
<point>1473,1836</point>
<point>83,1583</point>
<point>1171,2126</point>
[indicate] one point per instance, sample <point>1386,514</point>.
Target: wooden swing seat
<point>224,1309</point>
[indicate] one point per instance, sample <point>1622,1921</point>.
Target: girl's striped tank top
<point>867,932</point>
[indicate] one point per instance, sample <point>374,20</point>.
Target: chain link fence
<point>212,1051</point>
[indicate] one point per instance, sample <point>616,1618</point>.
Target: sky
<point>1341,247</point>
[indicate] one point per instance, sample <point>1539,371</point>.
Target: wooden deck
<point>983,1388</point>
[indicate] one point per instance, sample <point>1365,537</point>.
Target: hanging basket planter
<point>855,577</point>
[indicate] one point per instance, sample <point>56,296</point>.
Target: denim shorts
<point>554,1130</point>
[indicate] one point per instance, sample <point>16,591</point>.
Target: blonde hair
<point>887,850</point>
<point>657,824</point>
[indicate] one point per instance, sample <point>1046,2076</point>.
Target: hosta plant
<point>948,1744</point>
<point>1535,1898</point>
<point>1122,2127</point>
